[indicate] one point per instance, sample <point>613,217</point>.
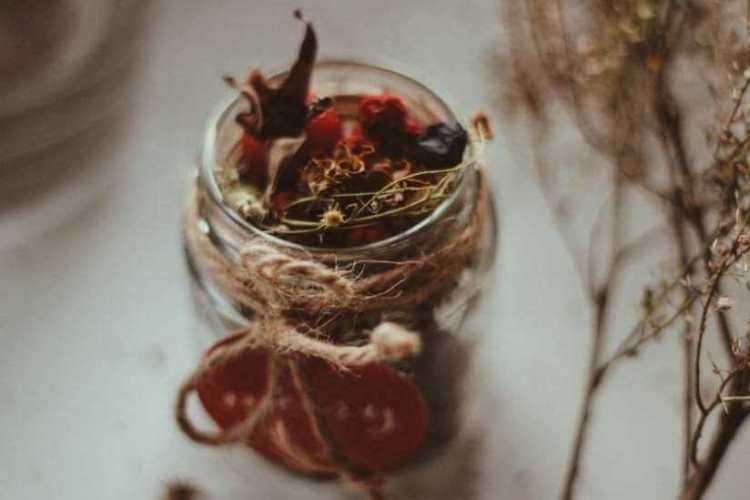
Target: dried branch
<point>687,402</point>
<point>613,66</point>
<point>718,400</point>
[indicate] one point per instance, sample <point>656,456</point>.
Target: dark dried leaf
<point>441,145</point>
<point>284,108</point>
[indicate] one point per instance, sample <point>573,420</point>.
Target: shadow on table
<point>62,121</point>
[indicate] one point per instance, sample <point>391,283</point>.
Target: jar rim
<point>208,160</point>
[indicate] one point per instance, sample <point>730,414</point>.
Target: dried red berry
<point>382,108</point>
<point>323,130</point>
<point>384,119</point>
<point>376,417</point>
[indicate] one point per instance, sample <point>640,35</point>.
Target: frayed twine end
<point>394,342</point>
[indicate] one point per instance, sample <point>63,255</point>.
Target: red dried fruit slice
<point>376,417</point>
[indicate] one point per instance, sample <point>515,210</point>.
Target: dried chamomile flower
<point>332,217</point>
<point>253,211</point>
<point>246,201</point>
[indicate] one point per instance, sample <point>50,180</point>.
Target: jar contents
<point>336,170</point>
<point>350,232</point>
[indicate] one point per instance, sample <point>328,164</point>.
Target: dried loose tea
<point>362,158</point>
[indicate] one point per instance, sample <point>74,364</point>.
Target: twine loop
<point>280,277</point>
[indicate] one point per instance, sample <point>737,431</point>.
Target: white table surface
<point>97,325</point>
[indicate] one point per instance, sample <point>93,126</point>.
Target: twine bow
<point>277,282</point>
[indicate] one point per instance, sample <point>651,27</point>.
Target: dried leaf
<point>283,109</point>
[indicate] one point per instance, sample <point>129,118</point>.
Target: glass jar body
<point>438,372</point>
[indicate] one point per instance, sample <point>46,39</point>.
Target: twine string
<point>272,282</point>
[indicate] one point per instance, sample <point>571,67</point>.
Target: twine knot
<point>281,280</point>
<point>285,282</point>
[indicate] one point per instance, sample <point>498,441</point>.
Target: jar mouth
<point>210,164</point>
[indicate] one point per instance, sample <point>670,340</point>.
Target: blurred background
<point>102,106</point>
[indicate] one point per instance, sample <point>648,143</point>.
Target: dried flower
<point>253,211</point>
<point>332,218</point>
<point>619,69</point>
<point>239,196</point>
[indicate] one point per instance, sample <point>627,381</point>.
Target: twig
<point>728,426</point>
<point>671,131</point>
<point>595,372</point>
<point>725,264</point>
<point>701,333</point>
<point>687,401</point>
<point>687,348</point>
<point>718,399</point>
<point>735,398</point>
<point>733,114</point>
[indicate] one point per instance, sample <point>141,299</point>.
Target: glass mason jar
<point>439,369</point>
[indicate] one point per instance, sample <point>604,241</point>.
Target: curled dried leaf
<point>279,111</point>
